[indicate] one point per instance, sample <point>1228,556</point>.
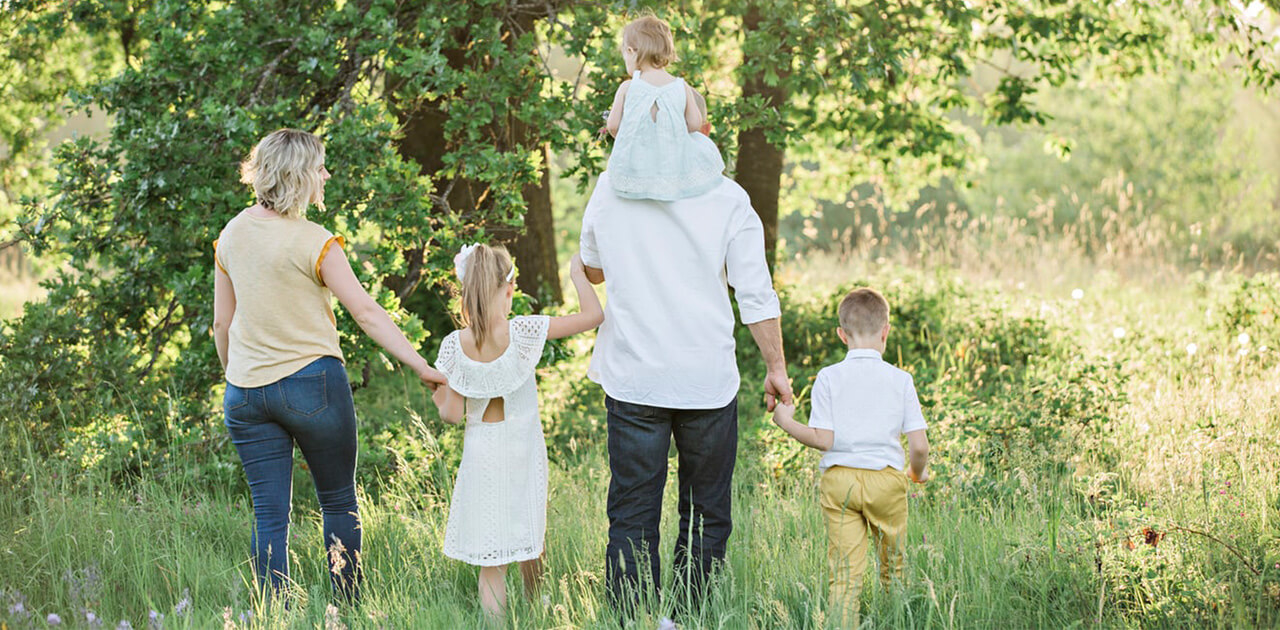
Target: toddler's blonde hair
<point>863,312</point>
<point>284,170</point>
<point>651,37</point>
<point>485,272</point>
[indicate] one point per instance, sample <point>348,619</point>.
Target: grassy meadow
<point>1103,422</point>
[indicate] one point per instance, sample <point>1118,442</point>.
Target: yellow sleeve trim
<point>215,258</point>
<point>324,251</point>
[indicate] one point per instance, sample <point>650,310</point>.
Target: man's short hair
<point>863,312</point>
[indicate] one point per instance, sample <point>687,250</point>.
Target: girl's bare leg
<point>531,573</point>
<point>493,590</point>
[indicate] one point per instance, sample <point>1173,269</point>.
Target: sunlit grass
<point>1175,527</point>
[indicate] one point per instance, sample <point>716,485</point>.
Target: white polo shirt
<point>868,404</point>
<point>667,337</point>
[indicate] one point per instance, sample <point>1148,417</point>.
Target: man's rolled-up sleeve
<point>748,273</point>
<point>587,248</point>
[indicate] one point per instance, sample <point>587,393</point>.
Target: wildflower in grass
<point>227,623</point>
<point>155,620</point>
<point>337,556</point>
<point>91,620</point>
<point>246,617</point>
<point>666,624</point>
<point>1077,294</point>
<point>1243,339</point>
<point>53,619</point>
<point>1118,333</point>
<point>184,605</point>
<point>18,607</point>
<point>124,625</point>
<point>331,619</point>
<point>1191,349</point>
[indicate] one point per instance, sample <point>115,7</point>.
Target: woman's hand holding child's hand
<point>430,376</point>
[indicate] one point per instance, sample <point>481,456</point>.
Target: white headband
<point>460,262</point>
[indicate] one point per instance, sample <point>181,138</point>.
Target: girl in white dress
<point>499,510</point>
<point>661,150</point>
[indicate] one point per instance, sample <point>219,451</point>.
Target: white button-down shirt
<point>868,404</point>
<point>667,338</point>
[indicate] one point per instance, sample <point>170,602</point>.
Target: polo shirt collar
<point>862,353</point>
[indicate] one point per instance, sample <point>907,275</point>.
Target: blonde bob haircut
<point>284,170</point>
<point>864,312</point>
<point>651,37</point>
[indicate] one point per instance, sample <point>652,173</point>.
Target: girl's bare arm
<point>591,313</point>
<point>615,112</point>
<point>450,404</point>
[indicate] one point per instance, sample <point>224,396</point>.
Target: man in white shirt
<point>665,358</point>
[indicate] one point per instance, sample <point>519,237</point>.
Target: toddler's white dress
<point>657,157</point>
<point>498,514</point>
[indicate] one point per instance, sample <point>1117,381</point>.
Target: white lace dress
<point>499,510</point>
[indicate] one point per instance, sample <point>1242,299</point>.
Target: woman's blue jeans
<point>312,407</point>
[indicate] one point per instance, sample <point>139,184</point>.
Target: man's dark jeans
<point>313,407</point>
<point>639,439</point>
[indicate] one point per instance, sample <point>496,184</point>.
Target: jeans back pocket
<point>305,395</point>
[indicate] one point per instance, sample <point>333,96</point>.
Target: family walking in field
<point>668,235</point>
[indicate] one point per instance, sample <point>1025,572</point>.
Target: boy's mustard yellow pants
<point>855,502</point>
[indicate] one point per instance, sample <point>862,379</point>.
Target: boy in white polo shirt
<point>860,408</point>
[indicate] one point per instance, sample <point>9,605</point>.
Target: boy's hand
<point>921,478</point>
<point>783,413</point>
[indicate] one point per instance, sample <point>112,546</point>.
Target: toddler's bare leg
<point>531,572</point>
<point>493,590</point>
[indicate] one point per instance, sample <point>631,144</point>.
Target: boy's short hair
<point>651,37</point>
<point>863,312</point>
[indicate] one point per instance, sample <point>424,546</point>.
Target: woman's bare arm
<point>336,273</point>
<point>224,309</point>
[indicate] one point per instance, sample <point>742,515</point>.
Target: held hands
<point>577,271</point>
<point>918,478</point>
<point>777,389</point>
<point>430,376</point>
<point>784,413</point>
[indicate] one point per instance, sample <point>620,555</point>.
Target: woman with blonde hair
<point>278,343</point>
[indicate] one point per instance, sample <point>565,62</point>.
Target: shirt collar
<point>862,353</point>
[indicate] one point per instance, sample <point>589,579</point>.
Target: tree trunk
<point>535,248</point>
<point>759,165</point>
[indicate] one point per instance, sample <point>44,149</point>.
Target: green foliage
<point>49,52</point>
<point>1001,392</point>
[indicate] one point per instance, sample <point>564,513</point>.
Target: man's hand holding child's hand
<point>783,412</point>
<point>921,478</point>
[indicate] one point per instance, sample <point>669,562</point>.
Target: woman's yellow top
<point>284,315</point>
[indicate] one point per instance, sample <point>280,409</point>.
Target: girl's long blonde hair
<point>485,272</point>
<point>284,170</point>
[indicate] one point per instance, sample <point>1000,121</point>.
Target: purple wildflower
<point>155,620</point>
<point>184,605</point>
<point>53,619</point>
<point>124,625</point>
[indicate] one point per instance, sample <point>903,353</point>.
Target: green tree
<point>125,329</point>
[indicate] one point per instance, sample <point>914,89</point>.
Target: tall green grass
<point>1164,517</point>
